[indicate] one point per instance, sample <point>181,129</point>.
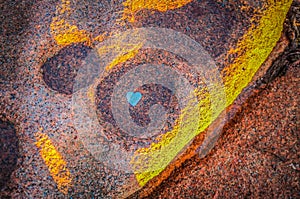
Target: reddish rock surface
<point>258,155</point>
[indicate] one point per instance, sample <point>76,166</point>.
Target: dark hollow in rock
<point>9,148</point>
<point>154,94</point>
<point>59,71</point>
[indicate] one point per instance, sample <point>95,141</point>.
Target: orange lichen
<point>65,33</point>
<point>122,49</point>
<point>64,7</point>
<point>134,6</point>
<point>124,57</point>
<point>57,166</point>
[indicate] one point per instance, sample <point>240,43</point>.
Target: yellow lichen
<point>254,47</point>
<point>252,50</point>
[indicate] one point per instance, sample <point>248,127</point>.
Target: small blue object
<point>133,97</point>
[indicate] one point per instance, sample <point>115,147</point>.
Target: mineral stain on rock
<point>9,151</point>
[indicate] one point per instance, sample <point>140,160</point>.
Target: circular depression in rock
<point>59,71</point>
